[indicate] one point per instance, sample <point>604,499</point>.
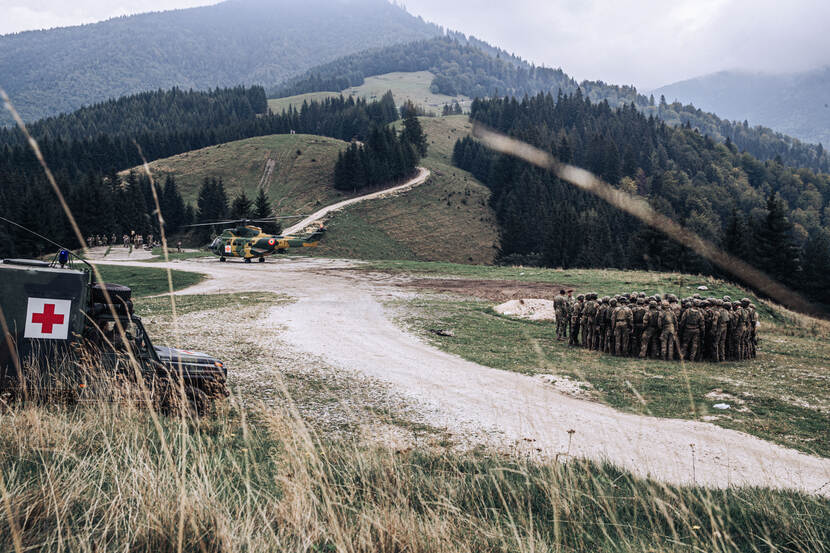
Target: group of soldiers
<point>636,325</point>
<point>127,240</point>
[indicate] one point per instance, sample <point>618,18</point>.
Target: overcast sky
<point>647,43</point>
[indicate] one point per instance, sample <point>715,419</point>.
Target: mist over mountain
<point>232,43</point>
<point>796,104</point>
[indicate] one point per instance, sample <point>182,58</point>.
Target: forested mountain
<point>471,67</point>
<point>795,104</point>
<point>237,42</point>
<point>770,215</point>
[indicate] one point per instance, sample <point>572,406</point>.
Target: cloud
<point>24,15</point>
<point>646,42</point>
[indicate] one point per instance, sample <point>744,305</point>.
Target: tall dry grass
<point>97,478</point>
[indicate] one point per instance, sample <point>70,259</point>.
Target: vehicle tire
<point>222,259</point>
<point>247,260</point>
<point>262,260</point>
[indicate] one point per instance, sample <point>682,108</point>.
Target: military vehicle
<point>248,241</point>
<point>65,333</point>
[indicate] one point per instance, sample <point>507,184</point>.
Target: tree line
<point>774,217</point>
<point>386,156</point>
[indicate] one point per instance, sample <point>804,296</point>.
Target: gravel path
<point>420,178</point>
<point>339,317</point>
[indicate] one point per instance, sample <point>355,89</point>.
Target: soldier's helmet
<point>718,302</point>
<point>697,303</point>
<point>652,304</point>
<point>626,295</point>
<point>664,304</point>
<point>605,299</point>
<point>641,295</point>
<point>613,301</point>
<point>696,296</point>
<point>624,300</point>
<point>727,298</point>
<point>672,298</point>
<point>705,303</point>
<point>745,302</point>
<point>727,305</point>
<point>641,300</point>
<point>580,297</point>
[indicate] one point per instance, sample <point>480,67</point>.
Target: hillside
<point>301,177</point>
<point>795,104</point>
<point>405,87</point>
<point>446,219</point>
<point>228,44</point>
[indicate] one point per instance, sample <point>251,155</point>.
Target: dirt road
<point>420,178</point>
<point>339,316</point>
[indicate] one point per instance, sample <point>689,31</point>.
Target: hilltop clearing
<point>300,179</point>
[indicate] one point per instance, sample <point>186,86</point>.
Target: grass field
<point>301,180</point>
<point>114,478</point>
<point>412,87</point>
<point>278,105</point>
<point>448,218</point>
<point>146,281</point>
<point>782,396</point>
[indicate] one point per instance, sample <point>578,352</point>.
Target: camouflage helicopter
<point>248,241</point>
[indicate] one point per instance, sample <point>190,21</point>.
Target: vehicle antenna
<point>48,240</point>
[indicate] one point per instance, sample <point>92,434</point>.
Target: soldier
<point>623,324</point>
<point>560,309</point>
<point>113,239</point>
<point>576,315</point>
<point>724,317</point>
<point>589,313</point>
<point>601,324</point>
<point>746,323</point>
<point>668,331</point>
<point>691,323</point>
<point>605,323</point>
<point>651,327</point>
<point>637,313</point>
<point>753,331</point>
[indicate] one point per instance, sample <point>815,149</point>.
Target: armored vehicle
<point>64,333</point>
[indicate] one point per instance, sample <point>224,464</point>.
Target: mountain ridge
<point>797,103</point>
<point>232,43</point>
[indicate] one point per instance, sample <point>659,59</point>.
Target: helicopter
<point>248,241</point>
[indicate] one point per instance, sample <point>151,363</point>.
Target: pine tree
<point>815,277</point>
<point>777,253</point>
<point>262,210</point>
<point>412,131</point>
<point>242,207</point>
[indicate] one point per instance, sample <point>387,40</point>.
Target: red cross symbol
<point>48,318</point>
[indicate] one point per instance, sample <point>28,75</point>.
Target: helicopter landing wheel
<point>262,260</point>
<point>247,260</point>
<point>222,259</point>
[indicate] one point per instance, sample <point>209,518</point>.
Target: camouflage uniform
<point>753,331</point>
<point>608,342</point>
<point>651,329</point>
<point>691,322</point>
<point>637,312</point>
<point>589,315</point>
<point>668,331</point>
<point>623,322</point>
<point>599,325</point>
<point>576,317</point>
<point>724,316</point>
<point>560,308</point>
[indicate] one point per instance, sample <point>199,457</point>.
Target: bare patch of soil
<point>493,290</point>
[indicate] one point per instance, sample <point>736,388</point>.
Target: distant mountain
<point>232,43</point>
<point>797,104</point>
<point>468,66</point>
